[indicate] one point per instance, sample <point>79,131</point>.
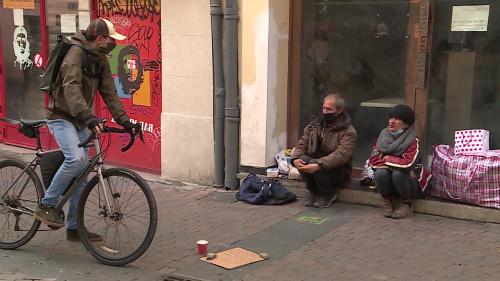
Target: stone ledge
<point>353,193</point>
<point>356,194</point>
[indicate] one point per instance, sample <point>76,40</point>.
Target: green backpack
<point>90,68</point>
<point>56,57</point>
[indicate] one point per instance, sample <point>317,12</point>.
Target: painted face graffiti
<point>21,47</point>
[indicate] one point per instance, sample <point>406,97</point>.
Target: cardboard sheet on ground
<point>234,258</point>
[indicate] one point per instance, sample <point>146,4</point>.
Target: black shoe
<point>309,200</point>
<point>49,215</point>
<point>325,201</point>
<point>72,235</point>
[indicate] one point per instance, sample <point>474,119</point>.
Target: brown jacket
<point>336,147</point>
<point>74,97</point>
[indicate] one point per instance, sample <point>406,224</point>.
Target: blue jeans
<point>75,158</point>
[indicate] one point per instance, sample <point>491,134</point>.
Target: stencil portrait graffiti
<point>21,47</point>
<point>130,84</point>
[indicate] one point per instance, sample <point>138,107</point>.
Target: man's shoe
<point>309,200</point>
<point>48,215</point>
<point>403,211</point>
<point>325,201</point>
<point>72,235</point>
<point>387,207</point>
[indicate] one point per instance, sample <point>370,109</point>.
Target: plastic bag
<point>283,159</point>
<point>367,176</point>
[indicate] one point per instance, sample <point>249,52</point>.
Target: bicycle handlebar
<point>107,129</point>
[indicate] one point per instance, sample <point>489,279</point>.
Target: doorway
<point>358,49</point>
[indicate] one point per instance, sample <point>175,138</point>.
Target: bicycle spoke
<point>138,221</point>
<point>19,192</point>
<point>126,225</point>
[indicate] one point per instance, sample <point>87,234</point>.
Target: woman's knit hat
<point>403,113</point>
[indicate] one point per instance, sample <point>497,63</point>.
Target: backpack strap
<point>90,67</point>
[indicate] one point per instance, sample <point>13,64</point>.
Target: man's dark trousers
<point>325,183</point>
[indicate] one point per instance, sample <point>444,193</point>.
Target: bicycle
<point>116,203</point>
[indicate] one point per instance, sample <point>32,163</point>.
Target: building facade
<point>439,57</point>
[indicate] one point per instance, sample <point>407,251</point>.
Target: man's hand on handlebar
<point>133,128</point>
<point>97,126</point>
<point>94,124</point>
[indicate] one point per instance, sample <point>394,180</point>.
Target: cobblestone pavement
<point>364,246</point>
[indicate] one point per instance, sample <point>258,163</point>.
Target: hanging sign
<point>38,60</point>
<point>19,4</point>
<point>68,23</point>
<point>83,19</point>
<point>18,17</point>
<point>470,18</point>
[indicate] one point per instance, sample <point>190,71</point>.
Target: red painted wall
<point>136,68</point>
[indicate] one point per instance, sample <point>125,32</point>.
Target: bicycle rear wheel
<point>20,194</point>
<point>128,228</point>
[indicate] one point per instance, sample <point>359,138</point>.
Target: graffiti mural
<point>136,68</point>
<point>21,47</point>
<point>137,9</point>
<point>130,82</point>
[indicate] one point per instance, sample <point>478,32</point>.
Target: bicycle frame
<point>19,200</point>
<point>20,175</point>
<point>33,164</point>
<point>95,164</point>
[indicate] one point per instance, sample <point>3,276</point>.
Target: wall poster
<point>470,18</point>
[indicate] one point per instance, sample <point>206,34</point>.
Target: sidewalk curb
<point>351,194</point>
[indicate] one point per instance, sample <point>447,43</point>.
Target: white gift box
<point>472,142</point>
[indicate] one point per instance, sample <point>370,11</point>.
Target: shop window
<point>66,17</point>
<point>358,50</point>
<point>21,42</point>
<point>465,75</point>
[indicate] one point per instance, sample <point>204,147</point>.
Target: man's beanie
<point>403,113</point>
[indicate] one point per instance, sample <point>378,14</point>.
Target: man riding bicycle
<point>70,118</point>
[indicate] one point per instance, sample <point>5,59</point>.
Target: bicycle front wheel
<point>20,194</point>
<point>127,226</point>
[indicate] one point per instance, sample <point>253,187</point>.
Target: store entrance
<point>357,49</point>
<point>465,71</point>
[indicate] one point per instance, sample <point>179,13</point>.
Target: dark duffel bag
<point>50,161</point>
<point>258,191</point>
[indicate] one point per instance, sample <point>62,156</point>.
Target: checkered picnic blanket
<point>470,179</point>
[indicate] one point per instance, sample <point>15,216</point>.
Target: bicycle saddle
<point>32,123</point>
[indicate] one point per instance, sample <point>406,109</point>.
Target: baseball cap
<point>103,27</point>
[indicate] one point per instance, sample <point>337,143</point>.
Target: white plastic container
<point>272,172</point>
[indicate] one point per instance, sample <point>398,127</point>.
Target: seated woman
<point>394,159</point>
